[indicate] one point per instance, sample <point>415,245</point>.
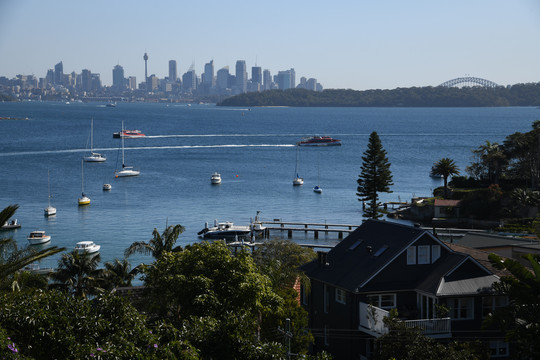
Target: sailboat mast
<point>92,136</point>
<point>122,136</point>
<point>82,177</point>
<point>49,185</point>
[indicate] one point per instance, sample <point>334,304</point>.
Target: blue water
<point>252,148</point>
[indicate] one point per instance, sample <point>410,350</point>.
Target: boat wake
<point>166,147</point>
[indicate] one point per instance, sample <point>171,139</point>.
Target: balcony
<point>371,322</point>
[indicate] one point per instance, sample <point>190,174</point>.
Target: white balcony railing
<point>371,320</point>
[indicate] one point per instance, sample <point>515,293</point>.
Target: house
<point>446,208</point>
<point>384,265</point>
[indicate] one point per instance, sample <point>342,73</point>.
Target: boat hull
<point>50,211</point>
<point>298,181</point>
<point>337,143</point>
<point>84,201</point>
<point>39,240</point>
<point>127,173</point>
<point>94,158</point>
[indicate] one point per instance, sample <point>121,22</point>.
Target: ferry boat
<point>128,134</point>
<point>319,141</point>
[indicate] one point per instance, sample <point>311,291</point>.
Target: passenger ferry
<point>128,134</point>
<point>319,141</point>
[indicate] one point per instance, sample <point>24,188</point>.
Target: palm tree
<point>78,273</point>
<point>445,167</point>
<point>158,244</point>
<point>118,273</point>
<point>13,259</point>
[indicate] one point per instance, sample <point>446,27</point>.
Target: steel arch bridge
<point>469,81</point>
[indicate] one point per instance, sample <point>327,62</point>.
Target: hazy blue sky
<point>357,44</point>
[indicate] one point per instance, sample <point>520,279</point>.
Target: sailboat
<point>94,157</point>
<point>317,188</point>
<point>83,200</point>
<point>297,180</point>
<point>49,210</point>
<point>126,170</point>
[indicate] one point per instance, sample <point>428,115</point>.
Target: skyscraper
<point>256,78</point>
<point>209,74</point>
<point>286,79</point>
<point>118,77</point>
<point>173,74</point>
<point>241,76</point>
<point>222,82</point>
<point>86,78</point>
<point>58,73</point>
<point>267,80</point>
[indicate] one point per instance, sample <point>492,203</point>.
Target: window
<point>326,299</point>
<point>423,254</point>
<point>383,301</point>
<point>461,309</point>
<point>381,250</point>
<point>304,295</point>
<point>435,252</point>
<point>498,348</point>
<point>492,303</point>
<point>411,255</point>
<point>340,296</point>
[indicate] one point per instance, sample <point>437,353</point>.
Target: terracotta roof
<point>440,202</point>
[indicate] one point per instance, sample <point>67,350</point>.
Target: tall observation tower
<point>145,57</point>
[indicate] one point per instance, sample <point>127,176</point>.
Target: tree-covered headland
<point>429,96</point>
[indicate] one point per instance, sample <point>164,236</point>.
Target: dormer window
<point>411,255</point>
<point>423,254</point>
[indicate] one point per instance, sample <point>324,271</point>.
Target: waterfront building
<point>173,74</point>
<point>118,77</point>
<point>241,76</point>
<point>58,73</point>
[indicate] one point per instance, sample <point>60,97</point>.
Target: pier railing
<point>315,228</point>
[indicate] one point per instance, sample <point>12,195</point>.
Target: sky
<point>346,44</point>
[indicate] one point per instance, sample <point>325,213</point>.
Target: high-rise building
<point>209,80</point>
<point>311,84</point>
<point>286,79</point>
<point>58,73</point>
<point>173,73</point>
<point>152,83</point>
<point>222,82</point>
<point>49,78</point>
<point>189,81</point>
<point>118,77</point>
<point>132,83</point>
<point>256,74</point>
<point>241,76</point>
<point>267,80</point>
<point>86,80</point>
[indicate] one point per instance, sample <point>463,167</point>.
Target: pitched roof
<point>480,256</point>
<point>363,253</point>
<point>441,202</point>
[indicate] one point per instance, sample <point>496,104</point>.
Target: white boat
<point>94,157</point>
<point>38,237</point>
<point>88,247</point>
<point>11,225</point>
<point>228,231</point>
<point>126,170</point>
<point>49,210</point>
<point>216,178</point>
<point>107,187</point>
<point>297,179</point>
<point>83,200</point>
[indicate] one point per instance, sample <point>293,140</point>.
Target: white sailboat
<point>297,180</point>
<point>317,188</point>
<point>83,200</point>
<point>126,170</point>
<point>93,157</point>
<point>49,210</point>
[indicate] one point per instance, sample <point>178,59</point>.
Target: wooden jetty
<point>315,228</point>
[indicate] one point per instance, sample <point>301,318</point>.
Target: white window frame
<point>457,310</point>
<point>423,254</point>
<point>377,300</point>
<point>411,255</point>
<point>435,253</point>
<point>340,296</point>
<point>496,346</point>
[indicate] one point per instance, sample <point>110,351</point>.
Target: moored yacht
<point>88,247</point>
<point>38,237</point>
<point>216,178</point>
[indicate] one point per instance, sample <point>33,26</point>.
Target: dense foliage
<point>516,95</point>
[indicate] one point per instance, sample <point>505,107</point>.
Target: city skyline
<point>358,45</point>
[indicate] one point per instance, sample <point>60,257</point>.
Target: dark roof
<point>353,261</point>
<point>480,256</point>
<point>485,240</point>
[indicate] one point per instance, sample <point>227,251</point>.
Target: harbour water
<point>253,149</point>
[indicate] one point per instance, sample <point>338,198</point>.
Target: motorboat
<point>318,141</point>
<point>107,187</point>
<point>94,156</point>
<point>110,104</point>
<point>126,170</point>
<point>10,225</point>
<point>128,134</point>
<point>216,178</point>
<point>317,189</point>
<point>228,231</point>
<point>83,200</point>
<point>49,210</point>
<point>38,237</point>
<point>88,247</point>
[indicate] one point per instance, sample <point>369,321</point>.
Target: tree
<point>118,273</point>
<point>490,163</point>
<point>78,273</point>
<point>445,167</point>
<point>158,244</point>
<point>375,176</point>
<point>217,297</point>
<point>520,320</point>
<point>13,259</point>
